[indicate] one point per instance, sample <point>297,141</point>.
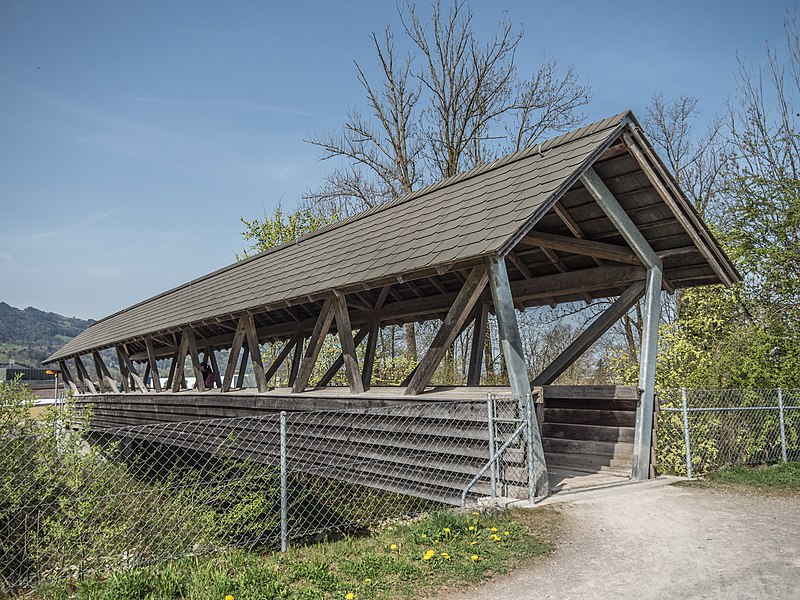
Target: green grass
<point>387,563</point>
<point>783,476</point>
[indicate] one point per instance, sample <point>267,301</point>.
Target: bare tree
<point>452,103</point>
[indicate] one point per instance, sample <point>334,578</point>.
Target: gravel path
<point>641,541</point>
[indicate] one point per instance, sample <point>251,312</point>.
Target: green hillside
<point>29,335</point>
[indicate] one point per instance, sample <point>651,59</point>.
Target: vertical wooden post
<point>511,345</point>
<point>151,357</point>
<point>348,345</point>
<point>374,328</point>
<point>321,328</point>
<point>476,349</point>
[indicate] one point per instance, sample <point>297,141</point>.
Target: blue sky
<point>133,135</point>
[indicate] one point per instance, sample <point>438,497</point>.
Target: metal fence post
<point>492,446</point>
<point>530,423</point>
<point>284,487</point>
<point>783,426</point>
<point>686,439</point>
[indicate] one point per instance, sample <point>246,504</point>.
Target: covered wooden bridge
<point>589,214</point>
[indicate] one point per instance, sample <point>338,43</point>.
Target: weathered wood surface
<point>428,448</point>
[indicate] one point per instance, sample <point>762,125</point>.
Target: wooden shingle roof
<point>483,212</point>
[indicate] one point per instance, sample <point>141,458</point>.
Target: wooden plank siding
<point>429,449</point>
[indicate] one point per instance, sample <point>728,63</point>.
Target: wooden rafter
<point>243,367</point>
<point>454,321</point>
<point>581,246</point>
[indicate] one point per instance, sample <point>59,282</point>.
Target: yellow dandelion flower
<point>424,537</point>
<point>495,538</point>
<point>435,541</point>
<point>228,597</point>
<point>506,533</point>
<point>368,581</point>
<point>473,543</point>
<point>475,514</point>
<point>429,555</point>
<point>494,529</point>
<point>474,557</point>
<point>447,530</point>
<point>349,596</point>
<point>472,528</point>
<point>445,556</point>
<point>393,547</point>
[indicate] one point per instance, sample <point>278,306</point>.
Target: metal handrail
<point>491,462</point>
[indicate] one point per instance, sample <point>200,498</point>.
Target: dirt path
<point>666,542</point>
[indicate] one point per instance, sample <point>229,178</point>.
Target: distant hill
<point>29,336</point>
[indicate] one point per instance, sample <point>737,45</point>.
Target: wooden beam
<point>151,358</point>
<point>123,370</point>
<point>351,368</point>
<point>476,348</point>
<point>321,328</point>
<point>80,368</point>
<point>516,367</point>
<point>373,329</point>
<point>101,380</point>
<point>103,373</point>
<point>67,376</point>
<point>177,381</point>
<point>172,366</point>
<point>243,367</point>
<point>339,362</point>
<point>590,335</point>
<point>255,352</point>
<point>297,357</point>
<point>456,318</point>
<point>233,357</point>
<point>583,247</point>
<point>282,355</point>
<point>214,367</point>
<point>122,353</point>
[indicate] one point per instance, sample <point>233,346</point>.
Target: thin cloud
<point>54,232</point>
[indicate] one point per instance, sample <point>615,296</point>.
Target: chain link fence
<point>76,501</point>
<point>703,430</point>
